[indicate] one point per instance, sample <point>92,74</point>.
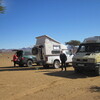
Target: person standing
<point>15,59</point>
<point>63,59</point>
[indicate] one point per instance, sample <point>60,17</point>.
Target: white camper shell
<point>47,51</point>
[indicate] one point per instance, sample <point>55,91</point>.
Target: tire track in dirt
<point>35,89</point>
<point>45,87</point>
<point>72,90</point>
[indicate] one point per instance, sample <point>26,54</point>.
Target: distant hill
<point>9,50</point>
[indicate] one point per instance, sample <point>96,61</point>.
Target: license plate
<point>80,64</point>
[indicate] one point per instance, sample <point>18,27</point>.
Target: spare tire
<point>34,50</point>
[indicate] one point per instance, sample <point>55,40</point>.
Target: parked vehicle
<point>47,51</point>
<point>25,58</point>
<point>88,55</point>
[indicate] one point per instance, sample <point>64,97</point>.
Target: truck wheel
<point>56,64</point>
<point>97,71</point>
<point>29,63</point>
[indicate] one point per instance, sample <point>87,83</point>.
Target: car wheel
<point>29,63</point>
<point>56,64</point>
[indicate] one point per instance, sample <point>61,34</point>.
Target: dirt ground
<point>36,83</point>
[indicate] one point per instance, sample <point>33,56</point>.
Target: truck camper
<point>88,55</point>
<point>47,51</point>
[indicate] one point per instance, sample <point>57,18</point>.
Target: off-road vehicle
<point>25,58</point>
<point>88,55</point>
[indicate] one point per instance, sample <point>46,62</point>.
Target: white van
<point>47,51</point>
<point>88,55</point>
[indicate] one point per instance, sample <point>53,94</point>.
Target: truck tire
<point>29,63</point>
<point>97,71</point>
<point>56,64</point>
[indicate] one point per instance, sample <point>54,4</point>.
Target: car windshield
<point>91,47</point>
<point>27,53</point>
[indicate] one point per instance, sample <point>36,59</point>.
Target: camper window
<point>55,51</point>
<point>56,47</point>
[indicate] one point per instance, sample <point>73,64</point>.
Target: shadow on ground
<point>95,89</point>
<point>71,74</point>
<point>17,68</point>
<point>66,74</point>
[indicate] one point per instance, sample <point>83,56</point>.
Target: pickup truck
<point>47,52</point>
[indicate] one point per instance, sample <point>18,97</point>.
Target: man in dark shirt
<point>63,59</point>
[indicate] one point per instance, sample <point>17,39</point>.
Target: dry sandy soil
<point>36,83</point>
